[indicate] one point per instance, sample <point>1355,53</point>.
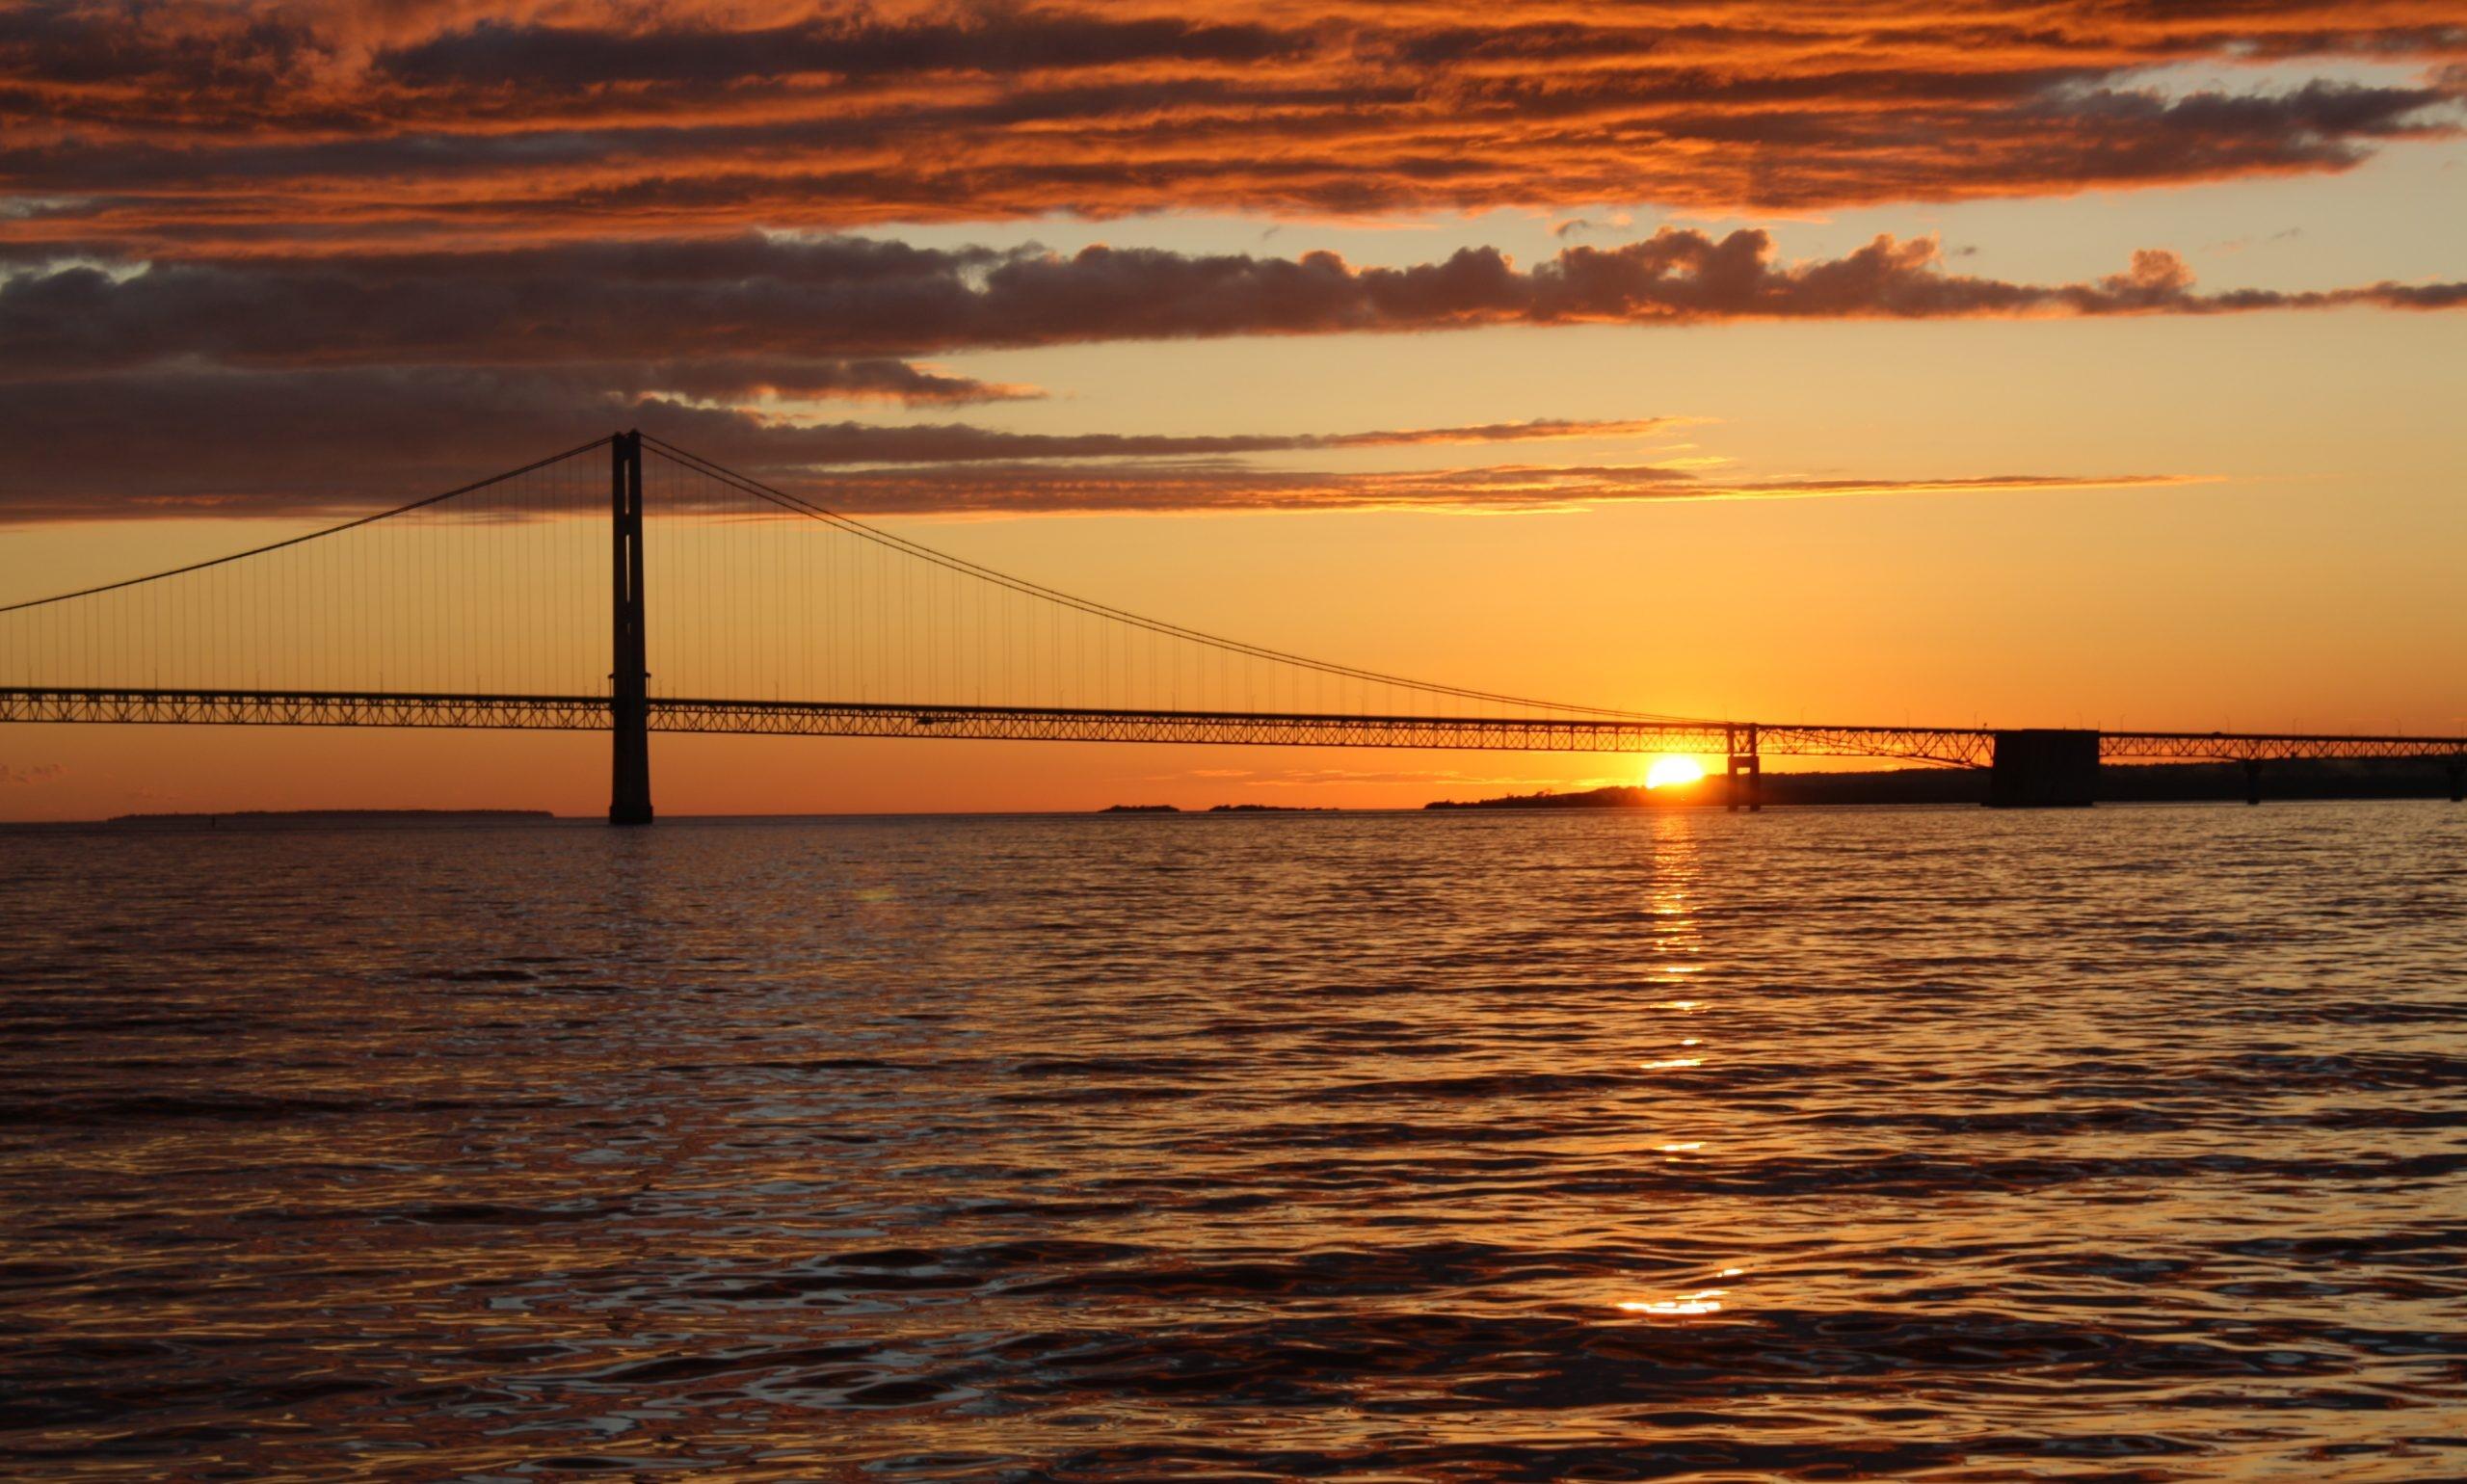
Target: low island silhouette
<point>278,820</point>
<point>2172,782</point>
<point>1222,808</point>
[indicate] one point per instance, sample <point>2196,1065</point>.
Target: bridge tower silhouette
<point>781,616</point>
<point>630,707</point>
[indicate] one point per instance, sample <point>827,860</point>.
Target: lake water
<point>1824,1145</point>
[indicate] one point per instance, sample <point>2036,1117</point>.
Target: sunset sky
<point>2061,364</point>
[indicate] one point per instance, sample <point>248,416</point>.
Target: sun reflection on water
<point>1703,1301</point>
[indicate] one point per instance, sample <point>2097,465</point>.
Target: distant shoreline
<point>278,818</point>
<point>1936,787</point>
<point>1231,808</point>
<point>2168,782</point>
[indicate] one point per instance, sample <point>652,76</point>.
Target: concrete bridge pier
<point>1751,791</point>
<point>2252,781</point>
<point>2044,768</point>
<point>1748,763</point>
<point>2458,781</point>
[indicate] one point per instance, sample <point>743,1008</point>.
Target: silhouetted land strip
<point>1223,809</point>
<point>2118,783</point>
<point>278,820</point>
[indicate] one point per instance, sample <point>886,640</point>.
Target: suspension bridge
<point>519,601</point>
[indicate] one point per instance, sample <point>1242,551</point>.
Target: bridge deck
<point>1957,746</point>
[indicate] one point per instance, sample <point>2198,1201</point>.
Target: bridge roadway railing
<point>1955,746</point>
<point>1532,733</point>
<point>305,708</point>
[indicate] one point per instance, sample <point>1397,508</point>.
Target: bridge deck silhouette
<point>1953,745</point>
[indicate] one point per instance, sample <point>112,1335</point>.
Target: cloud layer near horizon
<point>284,383</point>
<point>182,124</point>
<point>184,441</point>
<point>1229,489</point>
<point>734,317</point>
<point>269,452</point>
<point>206,441</point>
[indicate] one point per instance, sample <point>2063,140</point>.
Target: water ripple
<point>1816,1144</point>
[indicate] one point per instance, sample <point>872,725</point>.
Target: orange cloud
<point>191,122</point>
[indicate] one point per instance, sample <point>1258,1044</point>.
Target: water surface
<point>1822,1143</point>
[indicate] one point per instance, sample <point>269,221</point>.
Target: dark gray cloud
<point>853,46</point>
<point>348,382</point>
<point>189,441</point>
<point>821,317</point>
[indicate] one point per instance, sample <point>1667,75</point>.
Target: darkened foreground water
<point>1953,1144</point>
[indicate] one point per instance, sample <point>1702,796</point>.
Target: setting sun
<point>1669,772</point>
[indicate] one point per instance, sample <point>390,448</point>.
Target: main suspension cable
<point>331,530</point>
<point>811,510</point>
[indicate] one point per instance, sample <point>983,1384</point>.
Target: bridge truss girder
<point>1955,746</point>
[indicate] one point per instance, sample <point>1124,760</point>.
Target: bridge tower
<point>629,712</point>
